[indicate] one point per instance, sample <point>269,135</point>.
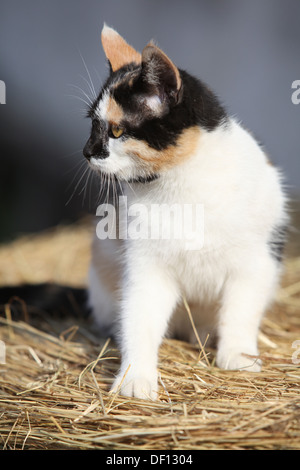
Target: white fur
<point>154,103</point>
<point>101,110</point>
<point>229,282</point>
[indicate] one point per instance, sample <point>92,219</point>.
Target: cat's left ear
<point>118,52</point>
<point>160,74</point>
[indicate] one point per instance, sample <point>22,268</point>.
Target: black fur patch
<point>197,106</point>
<point>144,179</point>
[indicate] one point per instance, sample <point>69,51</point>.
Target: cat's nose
<point>88,151</point>
<point>94,150</point>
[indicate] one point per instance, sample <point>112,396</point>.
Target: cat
<point>164,136</point>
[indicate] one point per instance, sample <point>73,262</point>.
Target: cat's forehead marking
<point>109,110</point>
<point>114,112</point>
<point>102,107</point>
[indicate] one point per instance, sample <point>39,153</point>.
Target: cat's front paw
<point>233,359</point>
<point>138,386</point>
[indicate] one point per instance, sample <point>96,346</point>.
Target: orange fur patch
<point>117,50</point>
<point>169,157</point>
<point>114,112</point>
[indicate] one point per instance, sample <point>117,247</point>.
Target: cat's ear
<point>117,50</point>
<point>160,74</point>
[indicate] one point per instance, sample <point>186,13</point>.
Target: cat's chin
<point>109,170</point>
<point>122,177</point>
<point>104,170</point>
<point>129,179</point>
<point>109,176</point>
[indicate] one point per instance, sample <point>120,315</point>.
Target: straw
<point>55,385</point>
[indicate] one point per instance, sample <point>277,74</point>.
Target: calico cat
<point>165,137</point>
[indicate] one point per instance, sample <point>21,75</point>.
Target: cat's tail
<point>32,300</point>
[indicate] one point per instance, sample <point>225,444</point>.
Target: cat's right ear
<point>118,52</point>
<point>160,74</point>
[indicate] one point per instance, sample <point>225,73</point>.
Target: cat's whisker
<point>77,168</point>
<point>78,165</point>
<point>108,190</point>
<point>82,100</point>
<point>112,184</point>
<point>124,178</point>
<point>81,178</point>
<point>130,187</point>
<point>89,76</point>
<point>91,187</point>
<point>68,155</point>
<point>84,189</point>
<point>77,185</point>
<point>89,99</point>
<point>102,187</point>
<point>115,194</point>
<point>121,187</point>
<point>90,87</point>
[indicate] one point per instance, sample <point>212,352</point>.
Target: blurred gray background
<point>247,51</point>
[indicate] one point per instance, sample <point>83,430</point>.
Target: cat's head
<point>141,121</point>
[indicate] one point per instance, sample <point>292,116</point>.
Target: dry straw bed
<point>54,384</point>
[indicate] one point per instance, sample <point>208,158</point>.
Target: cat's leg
<point>104,283</point>
<point>102,303</point>
<point>204,318</point>
<point>248,291</point>
<point>150,297</point>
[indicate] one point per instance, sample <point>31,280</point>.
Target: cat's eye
<point>117,131</point>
